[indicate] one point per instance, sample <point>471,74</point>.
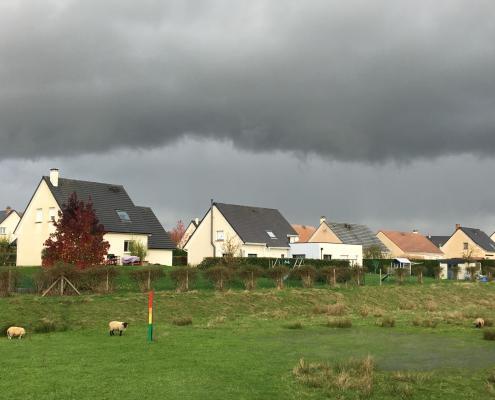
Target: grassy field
<point>247,345</point>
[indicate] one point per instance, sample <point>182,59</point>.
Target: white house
<point>328,251</point>
<point>250,231</point>
<point>123,221</point>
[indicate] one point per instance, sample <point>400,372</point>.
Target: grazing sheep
<point>15,331</point>
<point>117,326</point>
<point>479,322</point>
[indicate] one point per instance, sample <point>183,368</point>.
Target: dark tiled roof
<point>252,224</point>
<point>480,238</point>
<point>106,200</point>
<point>159,238</point>
<point>3,215</point>
<point>438,240</point>
<point>356,234</point>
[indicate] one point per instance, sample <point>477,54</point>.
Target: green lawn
<point>239,346</point>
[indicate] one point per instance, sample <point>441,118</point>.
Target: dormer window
<point>271,234</point>
<point>124,217</point>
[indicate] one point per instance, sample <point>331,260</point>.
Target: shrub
<point>183,277</point>
<point>220,276</point>
<point>294,325</point>
<point>138,249</point>
<point>488,322</point>
<point>182,321</point>
<point>46,325</point>
<point>306,273</point>
<point>418,270</point>
<point>489,334</point>
<point>357,273</point>
<point>339,323</point>
<point>387,322</point>
<point>47,276</point>
<point>145,277</point>
<point>337,309</point>
<point>249,275</point>
<point>98,279</point>
<point>9,278</point>
<point>329,274</point>
<point>278,273</point>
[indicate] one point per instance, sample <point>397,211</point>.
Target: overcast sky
<point>379,112</point>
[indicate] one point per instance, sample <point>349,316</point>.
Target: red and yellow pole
<point>150,316</point>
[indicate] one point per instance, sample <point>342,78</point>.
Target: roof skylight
<point>124,217</point>
<point>271,234</point>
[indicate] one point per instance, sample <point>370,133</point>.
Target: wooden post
<point>150,316</point>
<point>108,287</point>
<point>334,278</point>
<point>62,285</point>
<point>50,288</point>
<point>380,277</point>
<point>8,283</point>
<point>149,279</point>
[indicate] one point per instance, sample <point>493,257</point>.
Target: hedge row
<point>266,262</point>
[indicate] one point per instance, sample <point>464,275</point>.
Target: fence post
<point>380,277</point>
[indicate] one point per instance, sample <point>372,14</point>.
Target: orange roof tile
<point>411,242</point>
<point>304,231</point>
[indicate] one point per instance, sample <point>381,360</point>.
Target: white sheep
<point>117,326</point>
<point>479,322</point>
<point>15,331</point>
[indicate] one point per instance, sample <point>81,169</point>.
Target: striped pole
<point>150,316</point>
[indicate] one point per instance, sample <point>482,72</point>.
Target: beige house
<point>240,230</point>
<point>409,245</point>
<point>188,232</point>
<point>9,219</point>
<point>123,221</point>
<point>344,233</point>
<point>469,244</point>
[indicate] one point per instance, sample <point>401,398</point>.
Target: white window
<point>3,230</point>
<point>466,245</point>
<point>220,235</point>
<point>127,246</point>
<point>51,214</point>
<point>271,234</point>
<point>39,215</point>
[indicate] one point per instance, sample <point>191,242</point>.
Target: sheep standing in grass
<point>479,322</point>
<point>15,331</point>
<point>117,326</point>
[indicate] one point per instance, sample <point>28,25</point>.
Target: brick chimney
<point>323,219</point>
<point>8,209</point>
<point>54,175</point>
<point>457,226</point>
<point>415,231</point>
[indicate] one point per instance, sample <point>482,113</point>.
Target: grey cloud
<point>353,80</point>
<point>179,180</point>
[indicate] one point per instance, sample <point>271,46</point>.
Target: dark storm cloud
<point>350,80</point>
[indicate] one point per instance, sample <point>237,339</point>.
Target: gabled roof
<point>438,241</point>
<point>253,223</point>
<point>304,232</point>
<point>4,214</point>
<point>107,199</point>
<point>410,242</point>
<point>480,238</point>
<point>356,234</point>
<point>159,238</point>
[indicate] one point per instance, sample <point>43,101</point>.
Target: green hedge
<point>384,263</point>
<point>265,262</point>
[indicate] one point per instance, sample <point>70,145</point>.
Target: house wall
<point>10,224</point>
<point>454,248</point>
<point>324,234</point>
<point>395,251</point>
<point>199,245</point>
<point>463,273</point>
<point>187,234</point>
<point>336,250</point>
<point>31,234</point>
<point>158,256</point>
<point>116,241</point>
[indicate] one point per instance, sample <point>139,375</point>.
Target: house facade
<point>9,219</point>
<point>123,221</point>
<point>409,245</point>
<point>188,232</point>
<point>328,251</point>
<point>243,230</point>
<point>344,233</point>
<point>469,244</point>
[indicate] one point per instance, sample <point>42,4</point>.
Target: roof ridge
<point>84,181</point>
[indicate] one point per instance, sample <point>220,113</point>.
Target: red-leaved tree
<point>78,239</point>
<point>177,232</point>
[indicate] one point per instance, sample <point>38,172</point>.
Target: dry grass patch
<point>427,322</point>
<point>387,322</point>
<point>294,325</point>
<point>182,321</point>
<point>489,334</point>
<point>216,321</point>
<point>339,323</point>
<point>407,305</point>
<point>351,376</point>
<point>337,309</point>
<point>431,305</point>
